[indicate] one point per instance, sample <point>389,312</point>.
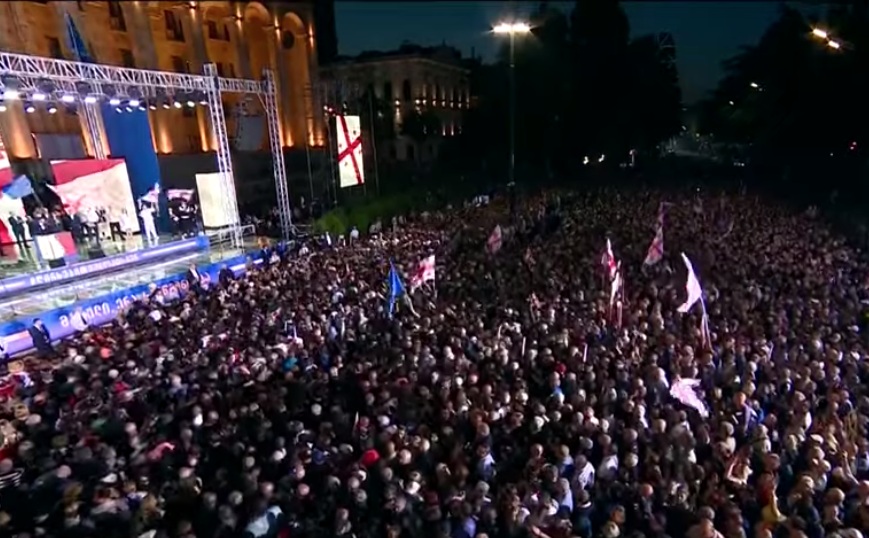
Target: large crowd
<point>501,400</point>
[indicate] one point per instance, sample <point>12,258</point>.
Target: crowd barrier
<point>29,282</point>
<point>14,335</point>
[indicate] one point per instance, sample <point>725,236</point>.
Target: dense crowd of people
<point>500,400</point>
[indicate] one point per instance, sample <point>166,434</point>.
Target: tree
<point>797,103</point>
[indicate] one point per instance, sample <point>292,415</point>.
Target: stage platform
<point>63,295</point>
<point>16,261</point>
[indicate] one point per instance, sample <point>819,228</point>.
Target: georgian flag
<point>695,292</point>
<point>493,245</point>
<point>656,249</point>
<point>425,272</point>
<point>608,260</point>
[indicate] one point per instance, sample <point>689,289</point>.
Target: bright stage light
<point>68,98</point>
<point>52,109</point>
<point>11,94</point>
<point>114,101</point>
<point>134,103</point>
<point>39,96</point>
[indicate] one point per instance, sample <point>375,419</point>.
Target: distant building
<point>241,38</point>
<point>426,80</point>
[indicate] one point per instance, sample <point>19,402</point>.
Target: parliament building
<point>240,38</point>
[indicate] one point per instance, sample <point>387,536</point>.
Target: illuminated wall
<point>242,38</point>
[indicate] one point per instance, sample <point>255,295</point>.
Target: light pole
<point>512,29</point>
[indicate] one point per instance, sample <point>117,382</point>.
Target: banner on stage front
<point>213,201</point>
<point>350,168</point>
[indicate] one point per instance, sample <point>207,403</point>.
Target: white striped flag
<point>695,294</point>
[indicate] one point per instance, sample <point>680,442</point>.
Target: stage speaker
<point>54,264</point>
<point>96,252</point>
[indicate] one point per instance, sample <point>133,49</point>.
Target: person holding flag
<point>656,249</point>
<point>394,287</point>
<point>425,272</point>
<point>695,295</point>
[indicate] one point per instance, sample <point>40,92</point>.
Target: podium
<point>55,249</point>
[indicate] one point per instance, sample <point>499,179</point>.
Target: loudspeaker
<point>96,252</point>
<point>59,262</point>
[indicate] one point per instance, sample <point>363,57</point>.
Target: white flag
<point>695,292</point>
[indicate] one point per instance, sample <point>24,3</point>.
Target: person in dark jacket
<point>41,338</point>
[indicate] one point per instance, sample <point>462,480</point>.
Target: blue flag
<point>76,43</point>
<point>18,188</point>
<point>395,288</point>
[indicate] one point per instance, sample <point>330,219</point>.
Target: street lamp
<point>512,29</point>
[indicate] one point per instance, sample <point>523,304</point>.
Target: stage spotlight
<point>118,109</point>
<point>203,100</point>
<point>128,108</point>
<point>152,105</point>
<point>90,99</point>
<point>166,104</point>
<point>134,103</point>
<point>177,104</point>
<point>29,108</point>
<point>142,107</point>
<point>190,102</point>
<point>39,96</point>
<point>2,106</point>
<point>52,109</point>
<point>114,101</point>
<point>68,98</point>
<point>10,87</point>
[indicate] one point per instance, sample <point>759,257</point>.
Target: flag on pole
<point>153,195</point>
<point>608,260</point>
<point>656,249</point>
<point>493,245</point>
<point>18,188</point>
<point>684,391</point>
<point>425,272</point>
<point>616,284</point>
<point>395,287</point>
<point>695,292</point>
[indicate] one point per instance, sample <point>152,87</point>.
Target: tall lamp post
<point>512,29</point>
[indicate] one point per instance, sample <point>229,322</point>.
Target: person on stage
<point>149,229</point>
<point>18,230</point>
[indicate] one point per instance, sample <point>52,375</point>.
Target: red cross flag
<point>350,168</point>
<point>493,245</point>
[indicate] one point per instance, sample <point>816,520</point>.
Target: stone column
<point>145,53</point>
<point>238,37</point>
<point>313,101</point>
<point>192,23</point>
<point>14,129</point>
<point>277,66</point>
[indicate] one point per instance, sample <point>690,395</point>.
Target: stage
<point>33,303</point>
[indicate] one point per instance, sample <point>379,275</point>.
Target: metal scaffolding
<point>27,73</point>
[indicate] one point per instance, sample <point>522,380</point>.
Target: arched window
<point>387,91</point>
<point>406,91</point>
<point>287,40</point>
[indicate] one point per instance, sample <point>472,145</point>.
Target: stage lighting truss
<point>46,80</point>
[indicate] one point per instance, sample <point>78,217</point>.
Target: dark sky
<point>705,32</point>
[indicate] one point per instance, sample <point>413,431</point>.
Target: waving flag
<point>153,195</point>
<point>656,249</point>
<point>424,273</point>
<point>395,287</point>
<point>684,391</point>
<point>18,188</point>
<point>493,245</point>
<point>616,284</point>
<point>608,260</point>
<point>695,292</point>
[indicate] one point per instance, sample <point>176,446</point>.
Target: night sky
<point>705,32</point>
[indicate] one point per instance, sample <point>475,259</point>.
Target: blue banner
<point>20,284</point>
<point>100,310</point>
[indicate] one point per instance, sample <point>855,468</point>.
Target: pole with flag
<point>394,286</point>
<point>656,249</point>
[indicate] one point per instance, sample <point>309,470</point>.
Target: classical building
<point>430,80</point>
<point>240,38</point>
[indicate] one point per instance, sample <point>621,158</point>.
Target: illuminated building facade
<point>240,38</point>
<point>422,79</point>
